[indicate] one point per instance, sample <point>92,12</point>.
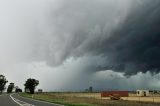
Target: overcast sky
<point>74,44</point>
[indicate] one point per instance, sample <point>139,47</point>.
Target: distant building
<point>40,90</point>
<point>90,89</point>
<point>142,93</point>
<point>111,93</point>
<point>154,91</point>
<point>27,90</point>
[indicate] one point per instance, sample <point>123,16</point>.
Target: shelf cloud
<point>125,33</point>
<point>89,36</point>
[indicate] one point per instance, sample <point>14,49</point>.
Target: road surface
<point>16,100</point>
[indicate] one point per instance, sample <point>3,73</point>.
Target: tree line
<point>30,85</point>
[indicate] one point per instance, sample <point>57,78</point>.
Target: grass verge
<point>56,100</point>
<point>63,99</point>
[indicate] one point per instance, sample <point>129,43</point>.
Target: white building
<point>142,93</point>
<point>40,90</point>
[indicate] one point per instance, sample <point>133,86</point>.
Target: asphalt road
<point>5,100</point>
<point>16,100</point>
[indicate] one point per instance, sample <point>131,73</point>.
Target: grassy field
<point>84,99</point>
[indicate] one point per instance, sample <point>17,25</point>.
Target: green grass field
<point>68,99</point>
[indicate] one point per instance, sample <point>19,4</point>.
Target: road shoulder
<point>35,101</point>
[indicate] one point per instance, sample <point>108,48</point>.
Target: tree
<point>10,88</point>
<point>31,84</point>
<point>3,82</point>
<point>17,89</point>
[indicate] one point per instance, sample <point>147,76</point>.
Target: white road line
<point>15,100</point>
<point>18,101</point>
<point>41,101</point>
<point>24,103</point>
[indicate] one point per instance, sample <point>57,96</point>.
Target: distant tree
<point>3,82</point>
<point>10,88</point>
<point>17,89</point>
<point>31,84</point>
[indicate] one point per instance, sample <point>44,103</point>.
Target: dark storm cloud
<point>73,28</point>
<point>82,42</point>
<point>124,34</point>
<point>135,46</point>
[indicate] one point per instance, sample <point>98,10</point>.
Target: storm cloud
<point>125,33</point>
<point>78,43</point>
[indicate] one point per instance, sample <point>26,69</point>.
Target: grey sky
<point>74,44</point>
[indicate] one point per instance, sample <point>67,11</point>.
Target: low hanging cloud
<point>74,26</point>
